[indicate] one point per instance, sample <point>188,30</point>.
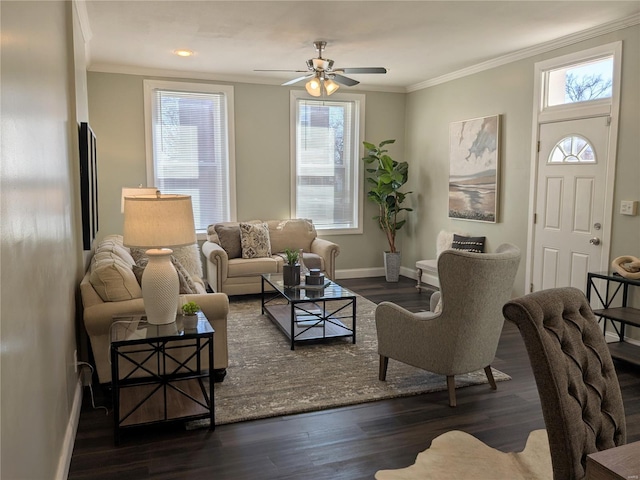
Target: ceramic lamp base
<point>160,287</point>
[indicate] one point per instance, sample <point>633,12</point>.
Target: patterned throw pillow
<point>469,244</point>
<point>254,238</point>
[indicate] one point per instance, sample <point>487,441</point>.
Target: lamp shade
<point>133,191</point>
<point>314,87</point>
<point>156,221</point>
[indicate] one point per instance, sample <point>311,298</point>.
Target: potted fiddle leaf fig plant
<point>291,270</point>
<point>386,178</point>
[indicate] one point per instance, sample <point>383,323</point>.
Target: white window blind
<point>326,162</point>
<point>190,142</point>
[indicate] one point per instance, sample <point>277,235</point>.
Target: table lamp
<point>158,222</point>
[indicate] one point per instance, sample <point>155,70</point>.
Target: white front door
<point>570,199</point>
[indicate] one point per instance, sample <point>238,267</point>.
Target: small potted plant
<point>189,310</point>
<point>291,271</point>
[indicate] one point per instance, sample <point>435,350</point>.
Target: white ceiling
<point>418,41</point>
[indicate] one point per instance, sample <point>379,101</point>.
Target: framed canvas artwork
<point>88,184</point>
<point>473,169</point>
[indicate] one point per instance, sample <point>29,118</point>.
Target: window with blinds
<point>190,146</point>
<point>326,161</point>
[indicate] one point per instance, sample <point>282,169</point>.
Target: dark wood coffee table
<point>309,313</point>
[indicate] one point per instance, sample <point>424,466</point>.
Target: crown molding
<point>530,52</point>
<point>208,76</point>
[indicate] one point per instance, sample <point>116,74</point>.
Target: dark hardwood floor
<point>345,443</point>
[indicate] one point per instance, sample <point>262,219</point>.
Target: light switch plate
<point>628,207</point>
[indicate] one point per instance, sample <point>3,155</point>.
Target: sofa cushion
<point>246,267</point>
<point>119,250</point>
<point>254,238</point>
<point>294,234</point>
<point>469,244</point>
<point>113,279</point>
<point>229,239</point>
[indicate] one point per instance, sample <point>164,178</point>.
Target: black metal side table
<point>157,374</point>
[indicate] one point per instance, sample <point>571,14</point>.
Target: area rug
<point>457,455</point>
<point>265,378</point>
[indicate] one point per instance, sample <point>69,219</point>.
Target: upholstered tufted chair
<point>463,336</point>
<point>578,386</point>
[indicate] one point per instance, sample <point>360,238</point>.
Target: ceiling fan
<point>323,77</point>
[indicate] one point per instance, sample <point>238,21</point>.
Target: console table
<point>157,374</point>
<point>625,315</point>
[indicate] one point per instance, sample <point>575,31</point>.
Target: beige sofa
<point>230,273</point>
<point>110,287</point>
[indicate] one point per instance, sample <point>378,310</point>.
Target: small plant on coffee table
<point>190,308</point>
<point>292,256</point>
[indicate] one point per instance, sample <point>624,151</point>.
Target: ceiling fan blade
<point>296,80</point>
<point>361,70</point>
<point>341,79</point>
<point>294,71</point>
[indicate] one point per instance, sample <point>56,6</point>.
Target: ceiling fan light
<point>330,86</point>
<point>313,87</point>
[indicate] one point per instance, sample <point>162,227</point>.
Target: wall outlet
<point>85,373</point>
<point>75,361</point>
<point>628,207</point>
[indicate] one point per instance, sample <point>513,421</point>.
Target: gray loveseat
<point>230,273</point>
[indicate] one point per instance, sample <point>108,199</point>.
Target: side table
<point>619,463</point>
<point>157,374</point>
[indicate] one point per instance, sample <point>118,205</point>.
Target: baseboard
<point>611,337</point>
<point>360,273</point>
<point>64,461</point>
<point>379,272</point>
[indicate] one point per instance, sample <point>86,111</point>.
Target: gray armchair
<point>464,336</point>
<point>577,382</point>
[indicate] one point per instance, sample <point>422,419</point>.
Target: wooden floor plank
<point>344,443</point>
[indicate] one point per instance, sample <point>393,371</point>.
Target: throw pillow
<point>254,238</point>
<point>229,238</point>
<point>186,282</point>
<point>189,257</point>
<point>113,279</point>
<point>469,244</point>
<point>187,285</point>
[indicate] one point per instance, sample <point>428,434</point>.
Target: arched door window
<point>572,149</point>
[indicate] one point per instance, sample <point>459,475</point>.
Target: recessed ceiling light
<point>183,52</point>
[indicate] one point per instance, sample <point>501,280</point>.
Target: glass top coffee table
<point>309,313</point>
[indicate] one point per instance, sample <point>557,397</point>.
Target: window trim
<point>359,119</point>
<point>591,108</point>
<point>149,86</point>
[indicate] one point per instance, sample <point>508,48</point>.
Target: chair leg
<point>489,374</point>
<point>419,275</point>
<point>382,372</point>
<point>451,386</point>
